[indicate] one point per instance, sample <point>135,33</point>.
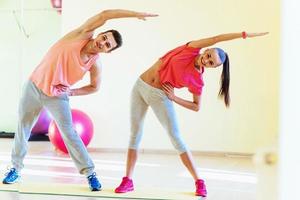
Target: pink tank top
<point>62,65</point>
<point>179,70</point>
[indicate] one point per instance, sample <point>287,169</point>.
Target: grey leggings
<point>143,96</point>
<point>31,103</point>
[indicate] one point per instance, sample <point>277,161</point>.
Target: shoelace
<point>200,184</point>
<point>92,175</point>
<point>124,182</point>
<point>9,170</point>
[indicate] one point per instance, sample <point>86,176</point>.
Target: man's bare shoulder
<point>77,35</point>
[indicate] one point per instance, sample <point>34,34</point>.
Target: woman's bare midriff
<point>151,76</point>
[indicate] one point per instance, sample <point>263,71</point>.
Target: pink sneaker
<point>125,186</point>
<point>200,188</point>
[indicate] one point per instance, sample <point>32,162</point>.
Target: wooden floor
<point>227,178</point>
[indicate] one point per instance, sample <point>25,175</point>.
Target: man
<point>66,63</point>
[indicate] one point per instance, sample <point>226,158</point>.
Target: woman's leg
<point>165,112</point>
<point>131,161</point>
<point>138,109</point>
<point>189,163</point>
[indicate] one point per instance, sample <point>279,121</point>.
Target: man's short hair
<point>117,36</point>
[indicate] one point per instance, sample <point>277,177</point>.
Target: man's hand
<point>144,15</point>
<point>60,89</point>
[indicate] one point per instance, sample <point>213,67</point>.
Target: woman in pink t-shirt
<point>180,67</point>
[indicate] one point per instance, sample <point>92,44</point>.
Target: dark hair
<point>224,82</point>
<point>117,36</point>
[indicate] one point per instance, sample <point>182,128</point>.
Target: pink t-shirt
<point>62,65</point>
<point>179,70</point>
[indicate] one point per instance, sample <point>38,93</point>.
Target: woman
<point>180,67</point>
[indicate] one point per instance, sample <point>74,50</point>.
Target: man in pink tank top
<point>66,62</point>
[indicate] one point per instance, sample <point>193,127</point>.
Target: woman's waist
<point>151,76</point>
<point>152,79</point>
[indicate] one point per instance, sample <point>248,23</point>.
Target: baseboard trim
<point>173,152</point>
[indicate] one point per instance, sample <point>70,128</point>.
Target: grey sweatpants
<point>143,96</point>
<point>31,103</point>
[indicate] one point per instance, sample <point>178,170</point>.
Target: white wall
<point>249,123</point>
<point>21,54</point>
<point>10,38</point>
<point>252,119</point>
<point>289,162</point>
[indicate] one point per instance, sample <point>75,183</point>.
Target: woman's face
<point>209,59</point>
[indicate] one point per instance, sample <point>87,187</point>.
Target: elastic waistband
<point>143,83</point>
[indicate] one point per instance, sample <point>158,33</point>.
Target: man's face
<point>104,42</point>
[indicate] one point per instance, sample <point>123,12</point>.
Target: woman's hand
<point>256,34</point>
<point>169,91</point>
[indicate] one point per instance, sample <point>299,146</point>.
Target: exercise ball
<point>82,124</point>
<point>42,124</point>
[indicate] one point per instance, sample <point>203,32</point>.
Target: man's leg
<point>29,109</point>
<point>61,112</point>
